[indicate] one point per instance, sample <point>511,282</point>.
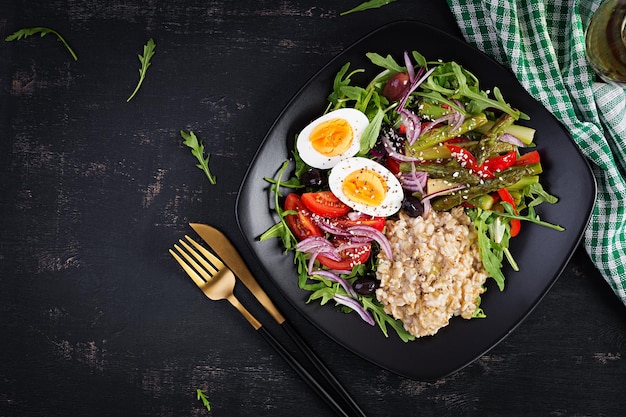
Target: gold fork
<point>217,282</point>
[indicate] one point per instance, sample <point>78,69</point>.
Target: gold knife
<point>229,254</point>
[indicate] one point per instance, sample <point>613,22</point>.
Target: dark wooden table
<point>97,319</point>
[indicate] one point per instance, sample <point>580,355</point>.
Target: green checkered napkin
<point>542,42</point>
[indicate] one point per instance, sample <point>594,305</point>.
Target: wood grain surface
<point>96,319</point>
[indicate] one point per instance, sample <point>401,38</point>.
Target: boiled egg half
<point>366,186</point>
<point>332,137</point>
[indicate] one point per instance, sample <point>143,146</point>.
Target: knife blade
<point>229,254</point>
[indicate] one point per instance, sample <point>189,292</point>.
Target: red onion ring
<point>356,306</point>
<point>376,235</point>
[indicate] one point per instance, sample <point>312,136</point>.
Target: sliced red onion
<point>354,215</point>
<point>333,277</point>
<point>356,306</point>
<point>354,244</point>
<point>443,192</point>
<point>412,123</point>
<point>376,235</point>
<point>410,69</point>
<point>414,181</point>
<point>458,120</point>
<point>459,104</point>
<point>448,118</point>
<point>312,243</point>
<point>427,207</point>
<point>414,86</point>
<point>329,227</point>
<point>512,139</point>
<point>395,154</point>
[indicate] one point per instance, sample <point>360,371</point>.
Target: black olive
<point>396,86</point>
<point>412,206</point>
<point>365,285</point>
<point>314,178</point>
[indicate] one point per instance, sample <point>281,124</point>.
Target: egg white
<point>393,197</point>
<point>357,120</point>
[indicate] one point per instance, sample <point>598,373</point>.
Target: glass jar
<point>605,42</point>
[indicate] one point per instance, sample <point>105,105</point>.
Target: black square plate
<point>541,253</point>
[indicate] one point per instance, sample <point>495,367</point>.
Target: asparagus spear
<point>503,179</point>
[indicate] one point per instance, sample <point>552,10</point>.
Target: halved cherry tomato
<point>377,223</point>
<point>393,165</point>
<point>349,257</point>
<point>325,204</point>
<point>506,196</point>
<point>529,158</point>
<point>300,224</point>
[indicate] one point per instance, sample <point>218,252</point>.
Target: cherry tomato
<point>300,224</point>
<point>349,257</point>
<point>325,204</point>
<point>377,223</point>
<point>393,165</point>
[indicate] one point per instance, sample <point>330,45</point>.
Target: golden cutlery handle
<point>244,312</point>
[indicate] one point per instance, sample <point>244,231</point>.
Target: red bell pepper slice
<point>529,158</point>
<point>500,163</point>
<point>467,160</point>
<point>506,196</point>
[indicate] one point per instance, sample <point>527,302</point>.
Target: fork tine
<point>207,266</point>
<point>214,259</point>
<point>188,269</point>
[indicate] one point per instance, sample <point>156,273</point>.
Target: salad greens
<point>197,150</point>
<point>323,290</point>
<point>452,143</point>
<point>148,53</point>
<point>43,31</point>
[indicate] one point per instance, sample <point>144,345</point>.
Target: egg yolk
<point>365,186</point>
<point>332,137</point>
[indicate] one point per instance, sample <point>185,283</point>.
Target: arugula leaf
<point>148,53</point>
<point>280,229</point>
<point>371,133</point>
<point>341,87</point>
<point>490,252</point>
<point>383,319</point>
<point>453,81</point>
<point>43,31</point>
<point>197,150</point>
<point>385,62</point>
<point>202,397</point>
<point>371,4</point>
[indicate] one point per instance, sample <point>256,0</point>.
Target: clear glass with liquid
<point>605,42</point>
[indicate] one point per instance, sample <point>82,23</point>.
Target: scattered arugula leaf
<point>371,4</point>
<point>202,397</point>
<point>43,31</point>
<point>148,53</point>
<point>197,150</point>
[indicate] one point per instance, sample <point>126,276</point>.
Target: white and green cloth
<point>542,43</point>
